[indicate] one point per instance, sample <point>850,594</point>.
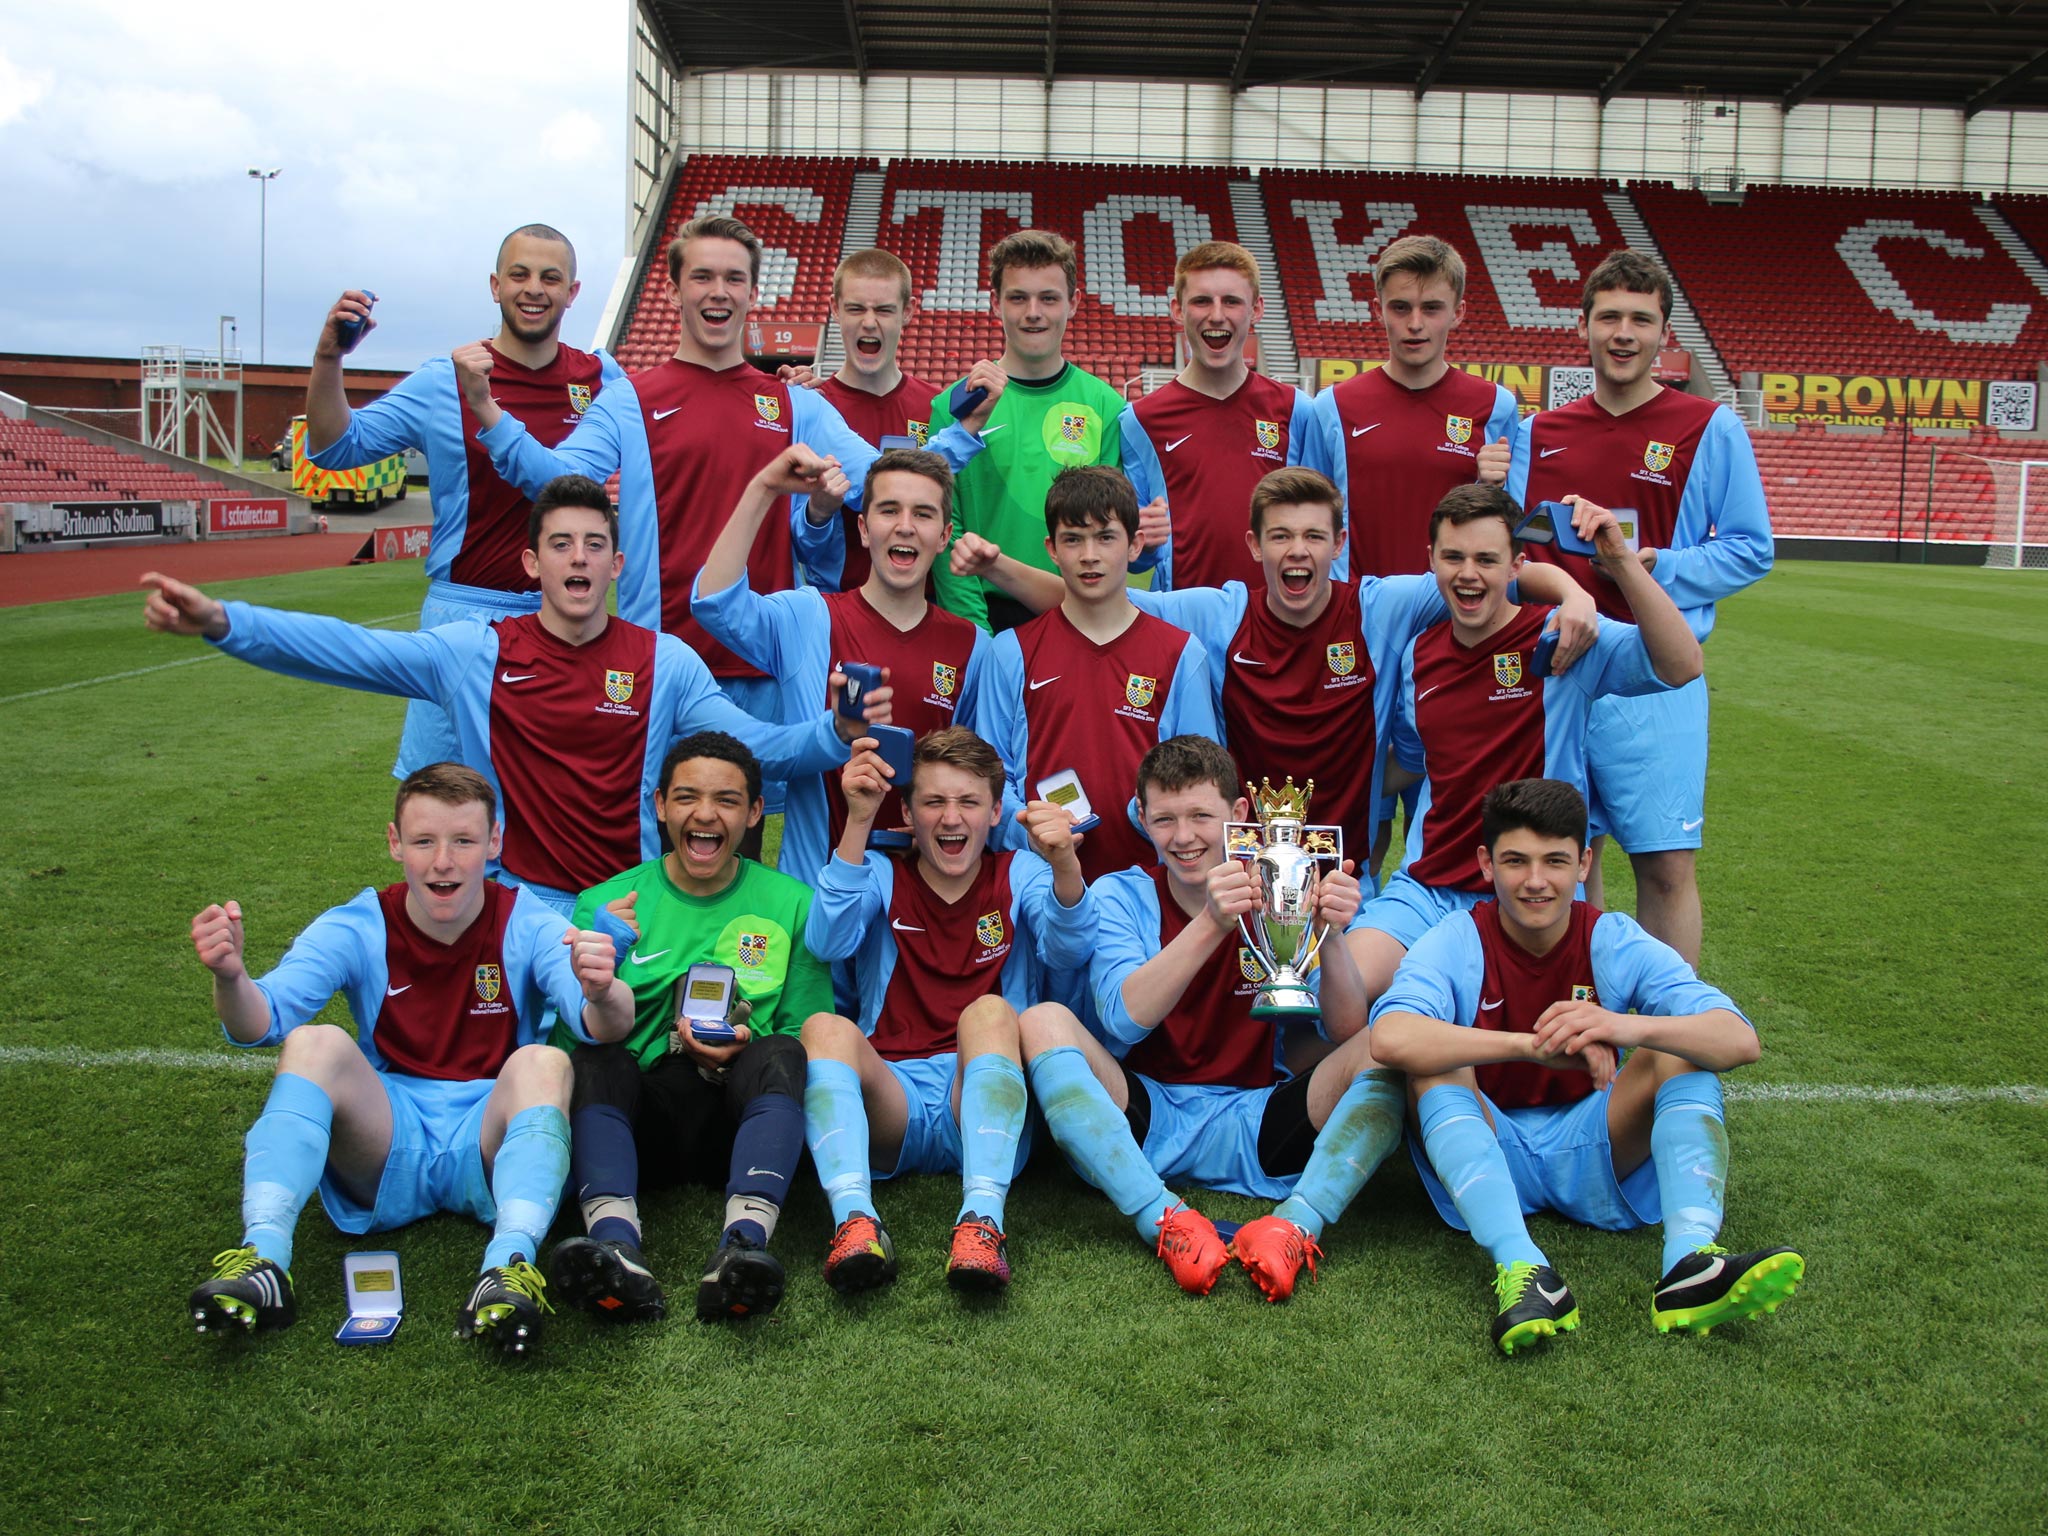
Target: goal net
<point>2002,501</point>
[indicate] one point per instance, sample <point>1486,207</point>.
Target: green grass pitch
<point>1874,893</point>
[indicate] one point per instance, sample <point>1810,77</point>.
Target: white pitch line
<point>164,666</point>
<point>227,1059</point>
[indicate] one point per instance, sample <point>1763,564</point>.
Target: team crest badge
<point>1657,456</point>
<point>618,686</point>
<point>1138,690</point>
<point>1583,994</point>
<point>1073,426</point>
<point>920,432</point>
<point>753,950</point>
<point>989,929</point>
<point>490,981</point>
<point>579,397</point>
<point>769,407</point>
<point>1343,657</point>
<point>944,679</point>
<point>1507,668</point>
<point>1248,965</point>
<point>1269,433</point>
<point>1458,428</point>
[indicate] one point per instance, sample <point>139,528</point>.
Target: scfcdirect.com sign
<point>247,514</point>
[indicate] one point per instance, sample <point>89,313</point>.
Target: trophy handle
<point>1249,943</point>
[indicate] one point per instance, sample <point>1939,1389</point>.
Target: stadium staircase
<point>1278,357</point>
<point>863,223</point>
<point>1685,321</point>
<point>2015,245</point>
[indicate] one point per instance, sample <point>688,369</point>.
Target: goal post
<point>2003,501</point>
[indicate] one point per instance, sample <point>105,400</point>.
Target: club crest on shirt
<point>1138,690</point>
<point>618,686</point>
<point>769,407</point>
<point>753,950</point>
<point>579,398</point>
<point>1507,668</point>
<point>490,981</point>
<point>1343,657</point>
<point>1458,428</point>
<point>1657,456</point>
<point>920,432</point>
<point>989,929</point>
<point>1073,426</point>
<point>1269,433</point>
<point>945,678</point>
<point>1249,965</point>
<point>1584,994</point>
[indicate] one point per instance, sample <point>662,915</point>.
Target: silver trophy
<point>1286,854</point>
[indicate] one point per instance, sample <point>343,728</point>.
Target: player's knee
<point>1669,872</point>
<point>539,1074</point>
<point>991,1021</point>
<point>829,1035</point>
<point>770,1064</point>
<point>604,1074</point>
<point>317,1052</point>
<point>1047,1026</point>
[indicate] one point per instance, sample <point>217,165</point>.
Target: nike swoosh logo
<point>394,991</point>
<point>1177,442</point>
<point>664,415</point>
<point>1701,1278</point>
<point>1692,826</point>
<point>1432,688</point>
<point>988,432</point>
<point>902,927</point>
<point>1486,1007</point>
<point>639,959</point>
<point>1361,431</point>
<point>1244,660</point>
<point>1044,680</point>
<point>523,677</point>
<point>1546,453</point>
<point>1553,1297</point>
<point>770,1173</point>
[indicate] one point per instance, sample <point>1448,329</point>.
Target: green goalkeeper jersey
<point>1035,431</point>
<point>755,925</point>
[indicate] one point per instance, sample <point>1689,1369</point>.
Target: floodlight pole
<point>263,179</point>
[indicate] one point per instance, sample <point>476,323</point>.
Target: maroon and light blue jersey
<point>902,412</point>
<point>1687,468</point>
<point>1395,451</point>
<point>1204,456</point>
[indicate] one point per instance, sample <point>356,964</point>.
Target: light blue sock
<point>1689,1147</point>
<point>1363,1128</point>
<point>991,1119</point>
<point>286,1154</point>
<point>1470,1164</point>
<point>526,1180</point>
<point>1092,1131</point>
<point>836,1126</point>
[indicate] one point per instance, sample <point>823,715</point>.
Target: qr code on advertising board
<point>2009,405</point>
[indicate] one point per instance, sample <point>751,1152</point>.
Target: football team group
<point>1005,656</point>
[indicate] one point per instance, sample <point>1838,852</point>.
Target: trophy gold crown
<point>1286,803</point>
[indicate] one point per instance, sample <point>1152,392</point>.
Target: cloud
<point>19,90</point>
<point>572,138</point>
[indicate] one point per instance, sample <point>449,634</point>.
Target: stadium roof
<point>1971,54</point>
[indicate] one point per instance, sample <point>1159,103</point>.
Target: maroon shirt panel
<point>927,669</point>
<point>903,412</point>
<point>1209,1036</point>
<point>1580,450</point>
<point>1212,453</point>
<point>943,960</point>
<point>1401,454</point>
<point>448,1010</point>
<point>1478,729</point>
<point>568,741</point>
<point>1300,702</point>
<point>494,536</point>
<point>1081,715</point>
<point>1520,986</point>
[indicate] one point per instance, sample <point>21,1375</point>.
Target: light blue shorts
<point>1647,759</point>
<point>1407,799</point>
<point>436,1161</point>
<point>429,735</point>
<point>1407,909</point>
<point>1561,1161</point>
<point>760,697</point>
<point>931,1136</point>
<point>1207,1134</point>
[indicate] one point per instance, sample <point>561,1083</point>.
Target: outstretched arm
<point>973,555</point>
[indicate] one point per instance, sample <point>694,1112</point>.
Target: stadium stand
<point>1860,282</point>
<point>2029,218</point>
<point>1828,485</point>
<point>43,464</point>
<point>797,205</point>
<point>1528,243</point>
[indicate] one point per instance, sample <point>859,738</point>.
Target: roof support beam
<point>1052,40</point>
<point>1849,53</point>
<point>1455,36</point>
<point>860,47</point>
<point>1634,64</point>
<point>1998,90</point>
<point>1248,45</point>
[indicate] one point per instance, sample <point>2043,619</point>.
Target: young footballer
<point>1562,1059</point>
<point>1685,466</point>
<point>474,565</point>
<point>1203,441</point>
<point>442,1099</point>
<point>950,942</point>
<point>566,711</point>
<point>1093,684</point>
<point>1474,710</point>
<point>664,1106</point>
<point>1052,416</point>
<point>1190,1088</point>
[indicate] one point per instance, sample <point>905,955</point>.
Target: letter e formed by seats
<point>1338,261</point>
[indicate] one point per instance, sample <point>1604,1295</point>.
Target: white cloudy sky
<point>412,135</point>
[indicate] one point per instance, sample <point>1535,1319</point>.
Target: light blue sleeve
<point>1395,609</point>
<point>1619,663</point>
<point>1504,420</point>
<point>1305,445</point>
<point>1324,451</point>
<point>967,711</point>
<point>785,751</point>
<point>1722,541</point>
<point>1517,485</point>
<point>595,448</point>
<point>1190,708</point>
<point>1635,972</point>
<point>541,972</point>
<point>1127,935</point>
<point>424,664</point>
<point>1000,721</point>
<point>1063,936</point>
<point>341,950</point>
<point>1440,977</point>
<point>400,418</point>
<point>1142,468</point>
<point>1405,745</point>
<point>761,630</point>
<point>816,423</point>
<point>608,367</point>
<point>849,899</point>
<point>1210,614</point>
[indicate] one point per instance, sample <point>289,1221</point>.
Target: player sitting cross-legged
<point>1563,1059</point>
<point>1200,1095</point>
<point>443,1100</point>
<point>930,1079</point>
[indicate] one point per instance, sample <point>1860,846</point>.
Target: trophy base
<point>1285,1003</point>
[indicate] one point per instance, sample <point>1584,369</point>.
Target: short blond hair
<point>1424,257</point>
<point>873,262</point>
<point>1033,248</point>
<point>1216,255</point>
